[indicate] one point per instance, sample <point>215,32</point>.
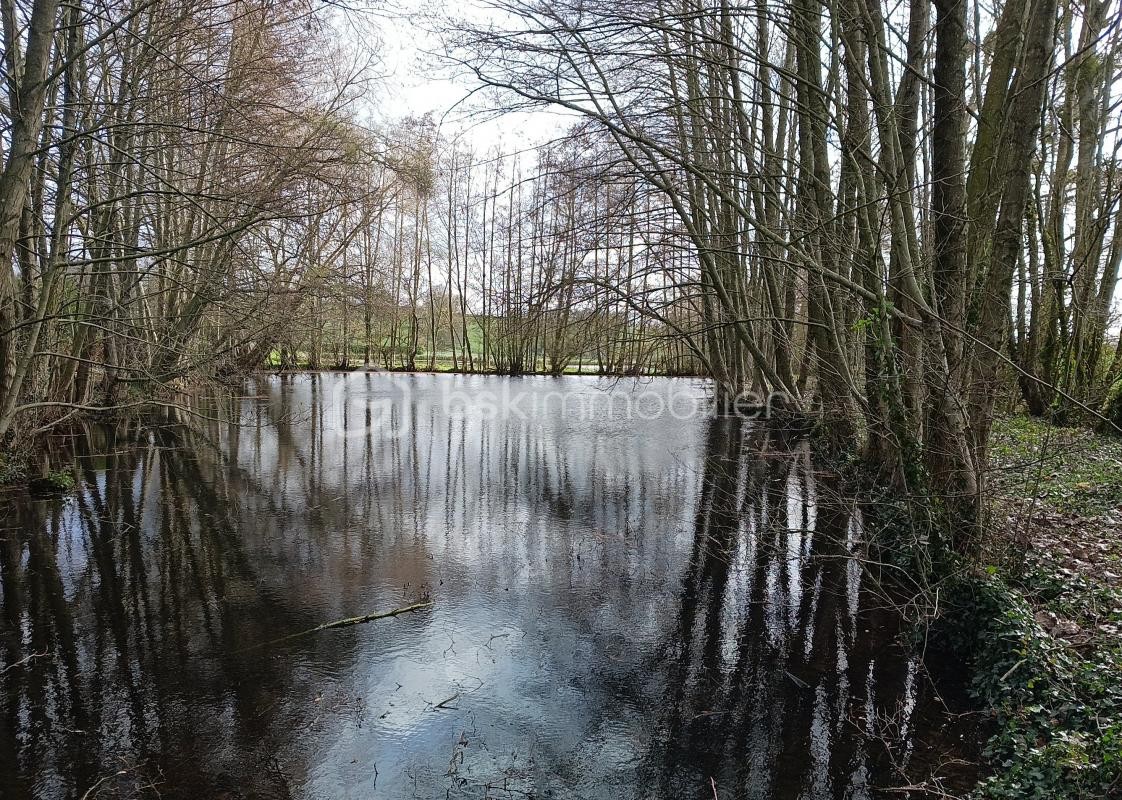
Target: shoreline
<point>483,373</point>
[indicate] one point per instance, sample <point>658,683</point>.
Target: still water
<point>630,600</point>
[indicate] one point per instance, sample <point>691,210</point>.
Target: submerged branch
<point>346,623</point>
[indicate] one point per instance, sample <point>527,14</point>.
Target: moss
<point>1112,409</point>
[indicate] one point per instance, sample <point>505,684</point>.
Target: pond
<point>631,598</point>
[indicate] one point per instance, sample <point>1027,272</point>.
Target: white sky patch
<point>415,84</point>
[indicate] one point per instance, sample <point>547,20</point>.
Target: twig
<point>444,703</point>
<point>797,680</point>
<point>90,792</point>
<point>23,661</point>
<point>345,623</point>
<point>1011,670</point>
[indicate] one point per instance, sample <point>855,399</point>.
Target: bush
<point>53,483</point>
<point>1058,714</point>
<point>12,470</point>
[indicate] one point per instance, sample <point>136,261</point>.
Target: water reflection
<point>630,602</point>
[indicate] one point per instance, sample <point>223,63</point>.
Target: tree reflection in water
<point>785,664</point>
<point>625,607</point>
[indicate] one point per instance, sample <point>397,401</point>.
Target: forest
<point>894,226</point>
<point>894,217</point>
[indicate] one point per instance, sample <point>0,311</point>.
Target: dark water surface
<point>631,601</point>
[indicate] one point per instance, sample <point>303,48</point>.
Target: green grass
<point>1066,506</point>
<point>1067,470</point>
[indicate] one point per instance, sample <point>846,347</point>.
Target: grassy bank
<point>1038,627</point>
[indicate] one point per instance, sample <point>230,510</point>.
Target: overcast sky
<point>414,84</point>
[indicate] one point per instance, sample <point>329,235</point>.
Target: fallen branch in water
<point>91,792</point>
<point>24,661</point>
<point>444,703</point>
<point>345,623</point>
